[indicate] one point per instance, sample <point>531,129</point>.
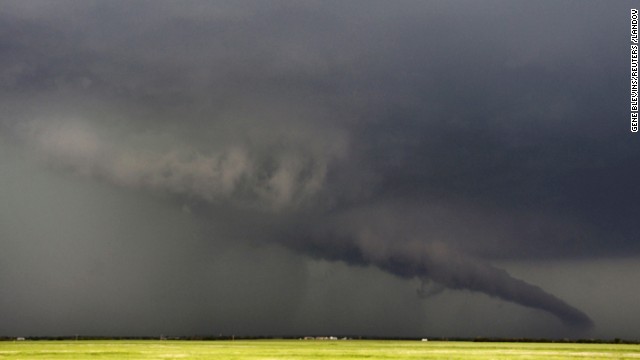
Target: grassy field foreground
<point>309,349</point>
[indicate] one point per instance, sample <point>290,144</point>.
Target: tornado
<point>457,271</point>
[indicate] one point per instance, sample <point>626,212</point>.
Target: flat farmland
<point>309,349</point>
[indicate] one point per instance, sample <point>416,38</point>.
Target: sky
<point>369,168</point>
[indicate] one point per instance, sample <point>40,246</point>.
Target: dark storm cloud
<point>422,138</point>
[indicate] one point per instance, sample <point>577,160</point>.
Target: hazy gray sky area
<point>381,168</point>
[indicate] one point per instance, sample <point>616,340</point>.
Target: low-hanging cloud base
<point>359,133</point>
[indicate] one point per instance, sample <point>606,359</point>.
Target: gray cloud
<point>262,175</point>
<point>427,140</point>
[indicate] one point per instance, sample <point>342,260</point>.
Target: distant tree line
<point>542,340</point>
<point>350,337</point>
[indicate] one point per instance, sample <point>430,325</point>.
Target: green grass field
<point>309,349</point>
